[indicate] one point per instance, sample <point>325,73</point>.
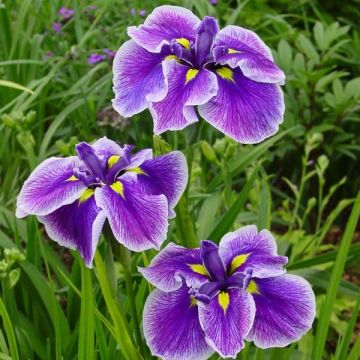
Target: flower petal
<point>138,78</point>
<point>186,87</point>
<point>49,187</point>
<point>163,25</point>
<point>141,156</point>
<point>285,311</point>
<point>166,174</point>
<point>226,320</point>
<point>174,264</point>
<point>77,226</point>
<point>171,326</point>
<point>106,147</point>
<point>245,110</point>
<point>138,221</point>
<point>236,46</point>
<point>247,248</point>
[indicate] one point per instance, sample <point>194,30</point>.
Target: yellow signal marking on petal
<point>252,288</point>
<point>198,268</point>
<point>226,73</point>
<point>191,74</point>
<point>184,42</point>
<point>233,51</point>
<point>72,178</point>
<point>118,187</point>
<point>224,300</point>
<point>137,170</point>
<point>87,194</point>
<point>238,261</point>
<point>112,160</point>
<point>172,57</point>
<point>193,301</point>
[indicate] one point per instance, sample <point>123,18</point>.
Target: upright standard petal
<point>164,24</point>
<point>50,186</point>
<point>166,174</point>
<point>173,265</point>
<point>187,87</point>
<point>77,225</point>
<point>106,147</point>
<point>171,326</point>
<point>138,78</point>
<point>236,46</point>
<point>226,320</point>
<point>137,220</point>
<point>285,310</point>
<point>245,110</point>
<point>246,248</point>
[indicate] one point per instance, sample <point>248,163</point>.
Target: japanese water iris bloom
<point>214,297</point>
<point>74,196</point>
<point>174,63</point>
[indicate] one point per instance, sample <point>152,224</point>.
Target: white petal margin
<point>163,25</point>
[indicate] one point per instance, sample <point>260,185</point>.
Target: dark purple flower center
<point>220,279</point>
<point>100,170</point>
<point>197,54</point>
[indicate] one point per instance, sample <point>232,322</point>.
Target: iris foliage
<point>302,183</point>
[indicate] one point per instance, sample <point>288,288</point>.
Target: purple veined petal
<point>50,186</point>
<point>236,46</point>
<point>105,147</point>
<point>163,25</point>
<point>138,78</point>
<point>171,326</point>
<point>174,264</point>
<point>77,226</point>
<point>226,320</point>
<point>166,174</point>
<point>137,220</point>
<point>139,158</point>
<point>245,110</point>
<point>246,248</point>
<point>285,310</point>
<point>187,87</point>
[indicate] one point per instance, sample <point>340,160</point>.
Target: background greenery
<point>302,183</point>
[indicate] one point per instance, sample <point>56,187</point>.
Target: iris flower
<point>174,63</point>
<point>74,196</point>
<point>214,297</point>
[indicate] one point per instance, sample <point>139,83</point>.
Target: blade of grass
<point>338,269</point>
<point>9,331</point>
<point>16,86</point>
<point>343,348</point>
<point>123,338</point>
<point>87,326</point>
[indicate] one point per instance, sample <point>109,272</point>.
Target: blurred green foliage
<point>301,183</point>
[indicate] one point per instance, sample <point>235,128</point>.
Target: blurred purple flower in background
<point>136,193</point>
<point>56,27</point>
<point>133,11</point>
<point>66,13</point>
<point>109,53</point>
<point>213,2</point>
<point>142,12</point>
<point>175,63</point>
<point>214,297</point>
<point>95,58</point>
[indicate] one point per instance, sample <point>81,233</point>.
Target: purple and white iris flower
<point>214,297</point>
<point>136,193</point>
<point>175,62</point>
